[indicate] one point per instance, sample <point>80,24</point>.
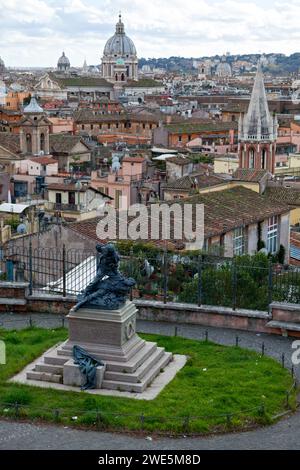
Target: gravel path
<point>282,435</point>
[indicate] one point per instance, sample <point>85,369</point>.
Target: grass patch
<point>220,388</point>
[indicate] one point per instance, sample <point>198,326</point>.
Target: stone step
<point>44,377</point>
<point>162,363</point>
<point>52,369</point>
<point>105,355</point>
<point>142,370</point>
<point>134,363</point>
<point>13,301</point>
<point>139,387</point>
<point>288,326</point>
<point>55,359</point>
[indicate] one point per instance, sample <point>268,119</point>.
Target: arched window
<point>251,158</point>
<point>264,156</point>
<point>28,143</point>
<point>116,77</point>
<point>122,77</point>
<point>42,142</point>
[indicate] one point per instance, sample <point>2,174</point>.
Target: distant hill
<point>276,63</point>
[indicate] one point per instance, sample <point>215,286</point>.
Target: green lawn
<point>220,388</point>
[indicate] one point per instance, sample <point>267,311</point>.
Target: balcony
<point>63,207</point>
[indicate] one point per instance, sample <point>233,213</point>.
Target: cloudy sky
<point>35,32</point>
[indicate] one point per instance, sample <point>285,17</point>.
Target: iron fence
<point>166,277</point>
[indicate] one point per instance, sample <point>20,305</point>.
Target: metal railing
<point>166,277</point>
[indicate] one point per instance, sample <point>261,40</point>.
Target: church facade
<point>119,61</point>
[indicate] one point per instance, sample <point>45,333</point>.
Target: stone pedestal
<point>73,377</point>
<point>131,363</point>
<point>106,334</point>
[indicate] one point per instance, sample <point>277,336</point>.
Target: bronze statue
<point>110,288</point>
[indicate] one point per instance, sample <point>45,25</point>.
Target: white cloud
<point>34,32</point>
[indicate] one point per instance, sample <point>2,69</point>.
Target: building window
<point>58,198</point>
<point>118,196</point>
<point>82,127</point>
<point>189,138</point>
<point>239,241</point>
<point>28,143</point>
<point>179,138</point>
<point>42,142</point>
<point>251,158</point>
<point>264,159</point>
<point>272,234</point>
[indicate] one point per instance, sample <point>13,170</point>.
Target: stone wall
<point>283,319</point>
<point>221,317</point>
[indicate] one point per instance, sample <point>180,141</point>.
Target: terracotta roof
<point>43,160</point>
<point>82,82</point>
<point>234,207</point>
<point>133,160</point>
<point>88,229</point>
<point>66,187</point>
<point>236,107</point>
<point>88,115</point>
<point>73,187</point>
<point>65,143</point>
<point>11,142</point>
<point>143,83</point>
<point>194,181</point>
<point>186,127</point>
<point>289,196</point>
<point>250,175</point>
<point>179,160</point>
<point>224,211</point>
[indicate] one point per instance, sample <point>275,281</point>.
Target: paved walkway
<point>282,435</point>
<point>18,436</point>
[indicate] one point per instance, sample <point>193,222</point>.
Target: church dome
<point>224,69</point>
<point>63,61</point>
<point>120,44</point>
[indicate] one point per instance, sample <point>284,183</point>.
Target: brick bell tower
<point>258,130</point>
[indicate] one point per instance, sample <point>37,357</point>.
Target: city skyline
<point>42,29</point>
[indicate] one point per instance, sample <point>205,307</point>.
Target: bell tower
<point>258,130</point>
<point>35,130</point>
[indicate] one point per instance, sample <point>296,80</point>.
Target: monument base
<point>73,377</point>
<point>131,363</point>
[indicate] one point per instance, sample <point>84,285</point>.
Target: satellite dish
<point>21,229</point>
